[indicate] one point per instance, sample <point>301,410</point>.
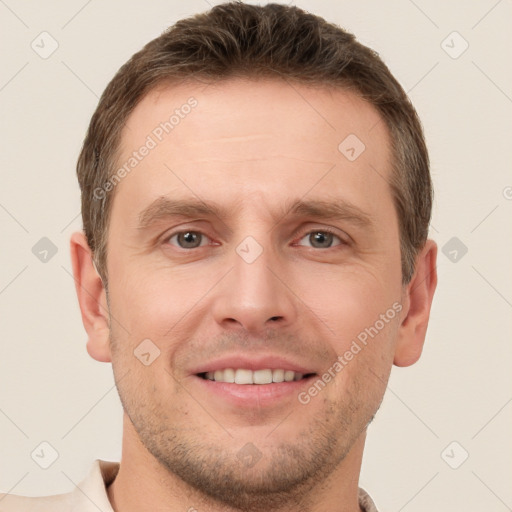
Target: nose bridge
<point>252,297</point>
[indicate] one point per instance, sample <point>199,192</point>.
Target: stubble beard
<point>287,471</point>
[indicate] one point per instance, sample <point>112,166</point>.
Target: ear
<point>416,301</point>
<point>92,298</point>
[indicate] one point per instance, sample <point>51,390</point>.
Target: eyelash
<point>322,230</point>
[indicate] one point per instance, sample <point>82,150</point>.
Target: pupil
<point>189,239</point>
<point>324,239</point>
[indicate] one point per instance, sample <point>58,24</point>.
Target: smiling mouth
<point>259,377</point>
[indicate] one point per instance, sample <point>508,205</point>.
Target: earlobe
<point>91,298</point>
<point>417,301</point>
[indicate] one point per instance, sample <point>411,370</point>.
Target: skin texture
<point>252,148</point>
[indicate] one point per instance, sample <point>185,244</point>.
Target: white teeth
<point>243,376</point>
<point>262,376</point>
<point>278,375</point>
<point>289,375</point>
<point>229,376</point>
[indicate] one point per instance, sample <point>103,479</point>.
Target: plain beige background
<point>460,391</point>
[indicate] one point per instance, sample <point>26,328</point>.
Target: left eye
<point>321,239</point>
<point>188,239</point>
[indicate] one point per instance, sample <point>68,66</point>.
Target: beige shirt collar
<point>91,494</point>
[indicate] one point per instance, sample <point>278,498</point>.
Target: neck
<point>142,483</point>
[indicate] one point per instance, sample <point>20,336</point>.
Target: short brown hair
<point>275,41</point>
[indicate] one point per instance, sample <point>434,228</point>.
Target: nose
<point>254,296</point>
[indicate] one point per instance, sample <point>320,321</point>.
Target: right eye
<point>188,239</point>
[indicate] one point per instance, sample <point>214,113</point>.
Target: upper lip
<point>262,362</point>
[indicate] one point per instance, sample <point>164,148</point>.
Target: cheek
<point>346,302</point>
<point>359,317</point>
<point>150,300</point>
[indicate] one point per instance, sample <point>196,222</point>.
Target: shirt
<point>91,495</point>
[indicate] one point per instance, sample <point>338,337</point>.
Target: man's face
<point>255,278</point>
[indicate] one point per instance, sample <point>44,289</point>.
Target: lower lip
<point>251,395</point>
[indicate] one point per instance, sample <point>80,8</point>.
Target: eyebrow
<point>163,208</point>
<point>328,210</point>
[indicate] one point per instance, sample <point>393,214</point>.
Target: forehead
<point>248,139</point>
<point>225,112</point>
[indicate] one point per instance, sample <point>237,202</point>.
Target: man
<point>256,198</point>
